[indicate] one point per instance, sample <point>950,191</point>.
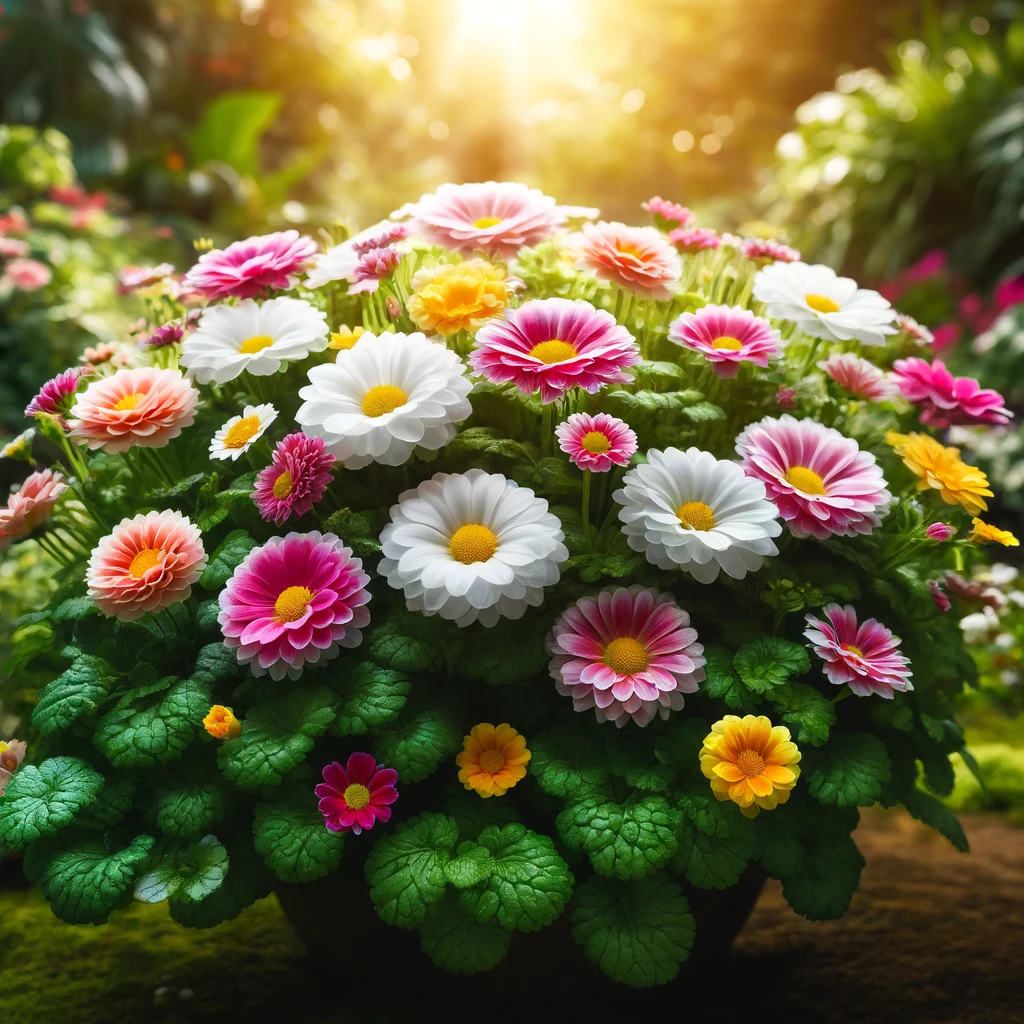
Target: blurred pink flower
<point>694,240</point>
<point>667,214</point>
<point>945,336</point>
<point>1009,293</point>
<point>858,377</point>
<point>13,223</point>
<point>767,250</point>
<point>12,247</point>
<point>27,275</point>
<point>939,596</point>
<point>130,278</point>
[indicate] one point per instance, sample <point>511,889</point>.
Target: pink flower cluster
<point>767,250</point>
<point>373,265</point>
<point>946,400</point>
<point>250,268</point>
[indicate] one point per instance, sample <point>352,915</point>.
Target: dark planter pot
<point>350,944</point>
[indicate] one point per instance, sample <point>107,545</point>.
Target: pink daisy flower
<point>145,564</point>
<point>373,265</point>
<point>30,505</point>
<point>57,395</point>
<point>668,215</point>
<point>554,345</point>
<point>694,240</point>
<point>767,250</point>
<point>821,482</point>
<point>727,336</point>
<point>596,442</point>
<point>247,269</point>
<point>863,657</point>
<point>940,531</point>
<point>27,275</point>
<point>294,601</point>
<point>296,478</point>
<point>638,259</point>
<point>627,653</point>
<point>146,407</point>
<point>946,400</point>
<point>13,247</point>
<point>858,377</point>
<point>356,796</point>
<point>917,331</point>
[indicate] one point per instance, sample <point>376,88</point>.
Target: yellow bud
<point>221,723</point>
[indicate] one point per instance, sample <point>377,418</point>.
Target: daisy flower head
<point>295,480</point>
<point>694,240</point>
<point>864,656</point>
<point>691,511</point>
<point>750,762</point>
<point>57,395</point>
<point>453,297</point>
<point>357,796</point>
<point>822,304</point>
<point>340,261</point>
<point>822,482</point>
<point>637,259</point>
<point>292,602</point>
<point>30,505</point>
<point>145,564</point>
<point>628,653</point>
<point>240,433</point>
<point>727,336</point>
<point>251,267</point>
<point>147,407</point>
<point>941,468</point>
<point>917,331</point>
<point>472,547</point>
<point>596,442</point>
<point>667,214</point>
<point>767,250</point>
<point>384,398</point>
<point>252,337</point>
<point>945,400</point>
<point>553,345</point>
<point>493,759</point>
<point>982,533</point>
<point>858,377</point>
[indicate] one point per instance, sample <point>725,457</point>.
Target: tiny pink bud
<point>393,306</point>
<point>938,596</point>
<point>785,398</point>
<point>940,531</point>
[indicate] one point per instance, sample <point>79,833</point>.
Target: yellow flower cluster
<point>457,296</point>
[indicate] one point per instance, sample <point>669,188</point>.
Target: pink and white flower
<point>940,531</point>
<point>596,443</point>
<point>917,331</point>
<point>768,250</point>
<point>727,336</point>
<point>14,222</point>
<point>858,377</point>
<point>694,240</point>
<point>251,267</point>
<point>864,657</point>
<point>630,654</point>
<point>821,481</point>
<point>27,275</point>
<point>30,505</point>
<point>373,266</point>
<point>293,602</point>
<point>637,259</point>
<point>356,796</point>
<point>295,480</point>
<point>57,395</point>
<point>13,247</point>
<point>946,400</point>
<point>340,261</point>
<point>667,214</point>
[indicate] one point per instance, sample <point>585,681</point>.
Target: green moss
<point>1002,781</point>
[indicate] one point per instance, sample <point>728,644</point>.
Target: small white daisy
<point>252,337</point>
<point>822,304</point>
<point>472,547</point>
<point>241,432</point>
<point>693,511</point>
<point>385,397</point>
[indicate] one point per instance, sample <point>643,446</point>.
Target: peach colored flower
<point>30,505</point>
<point>638,259</point>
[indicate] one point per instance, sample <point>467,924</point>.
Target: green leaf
<point>405,869</point>
<point>248,880</point>
<point>716,842</point>
<point>809,714</point>
<point>649,372</point>
<point>474,814</point>
<point>206,615</point>
<point>849,772</point>
<point>567,761</point>
<point>938,816</point>
<point>231,127</point>
<point>458,944</point>
<point>191,810</point>
<point>896,713</point>
<point>76,692</point>
<point>679,746</point>
<point>528,885</point>
<point>417,745</point>
<point>636,933</point>
<point>514,654</point>
<point>184,871</point>
<point>112,803</point>
<point>781,851</point>
<point>290,835</point>
<point>472,866</point>
<point>721,681</point>
<point>40,800</point>
<point>827,879</point>
<point>489,441</point>
<point>372,697</point>
<point>82,884</point>
<point>703,412</point>
<point>407,643</point>
<point>74,608</point>
<point>356,529</point>
<point>656,401</point>
<point>765,664</point>
<point>27,642</point>
<point>217,661</point>
<point>228,556</point>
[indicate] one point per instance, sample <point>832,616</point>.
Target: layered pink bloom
<point>864,657</point>
<point>946,400</point>
<point>373,265</point>
<point>13,247</point>
<point>694,240</point>
<point>554,345</point>
<point>57,395</point>
<point>858,377</point>
<point>627,653</point>
<point>294,601</point>
<point>247,269</point>
<point>596,442</point>
<point>30,505</point>
<point>767,250</point>
<point>917,331</point>
<point>821,482</point>
<point>130,278</point>
<point>940,531</point>
<point>637,259</point>
<point>939,596</point>
<point>145,564</point>
<point>669,215</point>
<point>296,478</point>
<point>356,796</point>
<point>146,407</point>
<point>726,336</point>
<point>12,753</point>
<point>13,223</point>
<point>174,330</point>
<point>27,275</point>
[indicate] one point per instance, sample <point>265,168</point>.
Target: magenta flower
<point>247,269</point>
<point>554,345</point>
<point>596,442</point>
<point>946,400</point>
<point>373,265</point>
<point>694,240</point>
<point>296,478</point>
<point>356,796</point>
<point>174,330</point>
<point>767,250</point>
<point>57,395</point>
<point>627,653</point>
<point>863,657</point>
<point>294,601</point>
<point>858,377</point>
<point>785,398</point>
<point>27,275</point>
<point>1009,293</point>
<point>637,259</point>
<point>939,596</point>
<point>668,215</point>
<point>940,531</point>
<point>726,336</point>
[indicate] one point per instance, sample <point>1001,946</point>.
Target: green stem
<point>586,506</point>
<point>809,362</point>
<point>842,695</point>
<point>547,427</point>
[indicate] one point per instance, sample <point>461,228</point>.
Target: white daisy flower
<point>385,397</point>
<point>472,547</point>
<point>241,432</point>
<point>692,511</point>
<point>252,337</point>
<point>823,304</point>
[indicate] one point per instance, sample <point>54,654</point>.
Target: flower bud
<point>221,723</point>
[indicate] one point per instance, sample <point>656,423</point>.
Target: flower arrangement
<point>566,570</point>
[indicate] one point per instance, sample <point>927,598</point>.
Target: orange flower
<point>942,468</point>
<point>221,723</point>
<point>493,759</point>
<point>984,533</point>
<point>457,296</point>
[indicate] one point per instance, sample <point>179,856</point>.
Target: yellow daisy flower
<point>983,533</point>
<point>493,759</point>
<point>457,296</point>
<point>941,468</point>
<point>221,723</point>
<point>345,337</point>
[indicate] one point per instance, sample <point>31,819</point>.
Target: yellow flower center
<point>242,432</point>
<point>695,515</point>
<point>492,761</point>
<point>256,343</point>
<point>143,562</point>
<point>129,402</point>
<point>821,303</point>
<point>750,762</point>
<point>356,796</point>
<point>553,351</point>
<point>806,480</point>
<point>472,543</point>
<point>626,656</point>
<point>291,603</point>
<point>853,650</point>
<point>283,485</point>
<point>629,249</point>
<point>487,222</point>
<point>384,398</point>
<point>727,342</point>
<point>595,442</point>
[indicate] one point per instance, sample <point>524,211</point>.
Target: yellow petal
<point>778,774</point>
<point>484,735</point>
<point>760,786</point>
<point>729,772</point>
